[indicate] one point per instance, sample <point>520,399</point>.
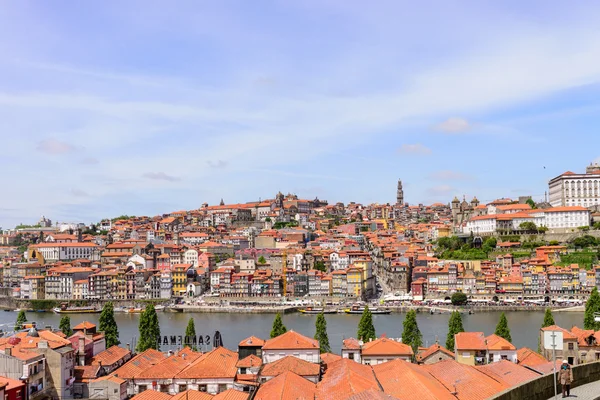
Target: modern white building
<point>66,251</point>
<point>571,189</point>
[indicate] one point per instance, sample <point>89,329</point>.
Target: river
<point>524,325</point>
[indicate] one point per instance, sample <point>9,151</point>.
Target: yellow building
<point>470,348</point>
<point>180,278</point>
<point>354,277</point>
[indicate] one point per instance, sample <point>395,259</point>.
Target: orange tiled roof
<point>329,358</point>
<point>139,363</point>
<point>250,361</point>
<point>432,350</point>
<point>218,363</point>
<point>84,325</point>
<point>467,382</point>
<point>566,334</point>
<point>495,342</point>
<point>287,386</point>
<point>291,363</point>
<point>232,394</point>
<point>110,356</point>
<point>385,346</point>
<point>508,373</point>
<point>345,378</point>
<point>151,395</point>
<point>393,376</point>
<point>529,357</point>
<point>291,340</point>
<point>470,341</point>
<point>192,395</point>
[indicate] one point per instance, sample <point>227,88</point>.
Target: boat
<point>160,308</point>
<point>119,309</point>
<point>64,309</point>
<point>316,310</point>
<point>374,311</point>
<point>134,310</point>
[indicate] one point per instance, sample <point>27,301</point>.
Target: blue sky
<point>145,107</point>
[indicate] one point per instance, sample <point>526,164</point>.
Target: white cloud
<point>440,190</point>
<point>79,193</point>
<point>454,125</point>
<point>218,164</point>
<point>417,149</point>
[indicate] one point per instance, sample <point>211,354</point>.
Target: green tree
<point>548,318</point>
<point>531,203</point>
<point>528,226</point>
<point>149,330</point>
<point>366,330</point>
<point>262,260</point>
<point>65,325</point>
<point>321,333</point>
<point>502,328</point>
<point>278,327</point>
<point>455,326</point>
<point>21,319</point>
<point>411,335</point>
<point>459,299</point>
<point>190,332</point>
<point>108,325</point>
<point>592,306</point>
<point>320,266</point>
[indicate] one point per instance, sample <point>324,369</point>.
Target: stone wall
<point>543,387</point>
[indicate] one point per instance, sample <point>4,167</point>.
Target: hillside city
<point>294,254</point>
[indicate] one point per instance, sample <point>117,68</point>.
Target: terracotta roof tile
<point>372,394</point>
<point>566,334</point>
<point>351,344</point>
<point>84,325</point>
<point>170,366</point>
<point>329,358</point>
<point>529,357</point>
<point>110,356</point>
<point>139,363</point>
<point>495,342</point>
<point>250,361</point>
<point>252,341</point>
<point>291,363</point>
<point>151,395</point>
<point>393,376</point>
<point>192,395</point>
<point>508,373</point>
<point>432,350</point>
<point>386,346</point>
<point>232,394</point>
<point>291,340</point>
<point>345,378</point>
<point>470,341</point>
<point>287,386</point>
<point>218,363</point>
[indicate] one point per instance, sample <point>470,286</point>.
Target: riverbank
<point>233,309</point>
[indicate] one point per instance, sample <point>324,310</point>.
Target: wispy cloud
<point>417,149</point>
<point>440,190</point>
<point>54,146</point>
<point>160,176</point>
<point>454,125</point>
<point>90,161</point>
<point>79,193</point>
<point>218,164</point>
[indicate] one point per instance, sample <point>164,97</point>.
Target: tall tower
<point>399,194</point>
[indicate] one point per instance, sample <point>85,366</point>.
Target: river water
<point>524,325</point>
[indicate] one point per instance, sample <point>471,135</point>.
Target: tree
<point>190,332</point>
<point>502,328</point>
<point>548,318</point>
<point>455,326</point>
<point>108,325</point>
<point>262,260</point>
<point>528,226</point>
<point>65,325</point>
<point>321,333</point>
<point>459,299</point>
<point>531,203</point>
<point>149,330</point>
<point>320,266</point>
<point>278,327</point>
<point>366,330</point>
<point>411,335</point>
<point>591,306</point>
<point>21,319</point>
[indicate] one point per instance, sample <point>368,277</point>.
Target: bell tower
<point>400,194</point>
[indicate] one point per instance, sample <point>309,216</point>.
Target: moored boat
<point>134,310</point>
<point>361,309</point>
<point>76,310</point>
<point>316,310</point>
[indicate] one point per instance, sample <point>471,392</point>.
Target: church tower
<point>400,194</point>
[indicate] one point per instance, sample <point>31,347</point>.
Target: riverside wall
<point>543,387</point>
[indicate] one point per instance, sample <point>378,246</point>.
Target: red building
<point>13,389</point>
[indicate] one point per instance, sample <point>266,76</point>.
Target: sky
<point>147,107</point>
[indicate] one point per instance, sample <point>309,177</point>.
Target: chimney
<point>81,351</point>
<point>128,347</point>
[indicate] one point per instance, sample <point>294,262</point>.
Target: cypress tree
<point>278,327</point>
<point>366,330</point>
<point>592,306</point>
<point>502,328</point>
<point>21,319</point>
<point>455,326</point>
<point>149,330</point>
<point>190,332</point>
<point>548,318</point>
<point>108,325</point>
<point>321,333</point>
<point>65,325</point>
<point>412,335</point>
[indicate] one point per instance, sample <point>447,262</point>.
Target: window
<point>182,388</point>
<point>351,356</point>
<point>202,388</point>
<point>571,346</point>
<point>222,387</point>
<point>141,388</point>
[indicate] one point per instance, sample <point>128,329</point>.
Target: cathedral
<point>463,211</point>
